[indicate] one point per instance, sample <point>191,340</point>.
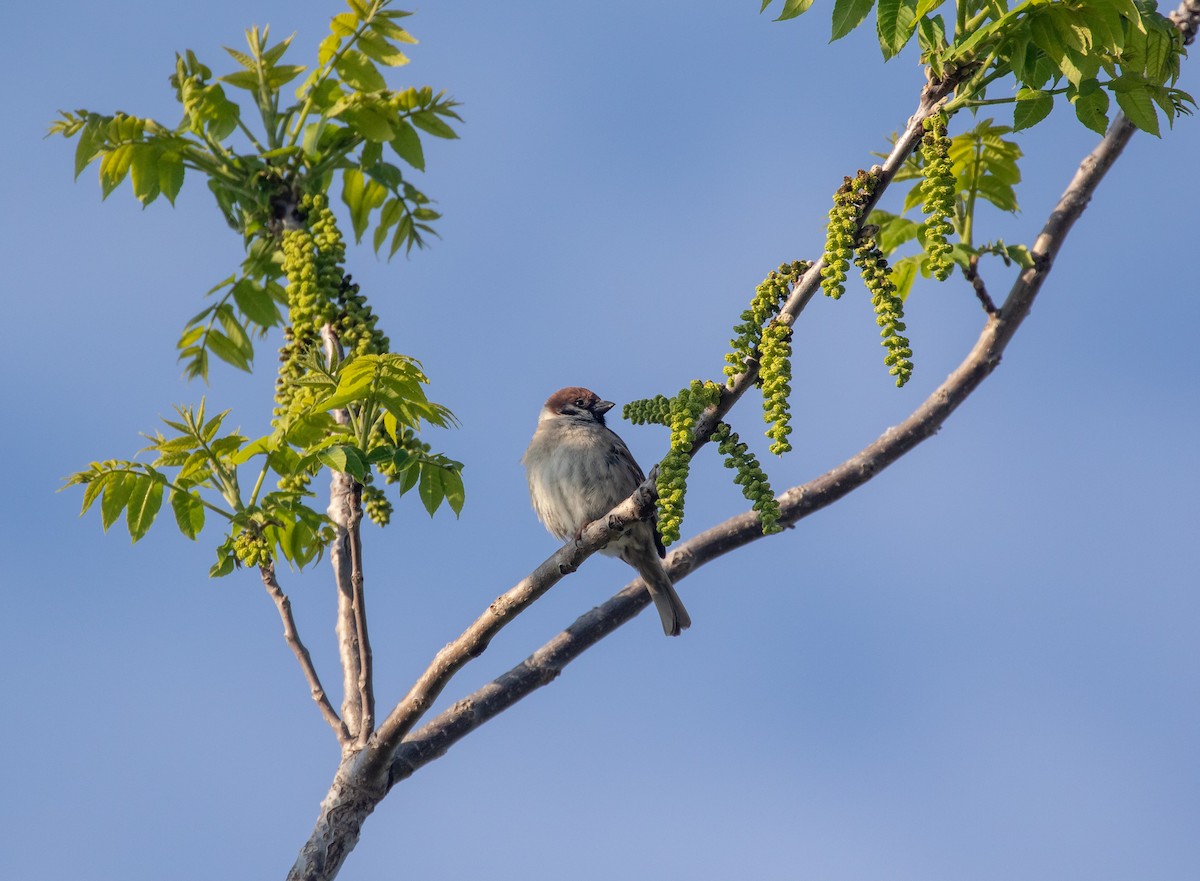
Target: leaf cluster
<point>984,168</point>
<point>198,467</point>
<point>338,120</point>
<point>1089,51</point>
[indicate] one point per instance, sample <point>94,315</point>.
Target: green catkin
<point>750,476</point>
<point>937,190</point>
<point>683,411</point>
<point>769,297</point>
<point>845,217</point>
<point>775,373</point>
<point>319,294</point>
<point>656,411</point>
<point>889,309</point>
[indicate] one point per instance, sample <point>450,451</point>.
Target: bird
<point>579,470</point>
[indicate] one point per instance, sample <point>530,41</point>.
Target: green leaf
<point>1091,106</point>
<point>189,512</point>
<point>791,9</point>
<point>386,28</point>
<point>410,476</point>
<point>452,484</point>
<point>893,232</point>
<point>370,123</point>
<point>117,488</point>
<point>895,22</point>
<point>359,72</point>
<point>170,174</point>
<point>94,485</point>
<point>407,145</point>
<point>278,77</point>
<point>1020,255</point>
<point>847,15</point>
<point>931,35</point>
<point>228,351</point>
<point>904,273</point>
<point>1033,105</point>
<point>255,303</point>
<point>431,488</point>
<point>143,172</point>
<point>380,49</point>
<point>1133,97</point>
<point>427,120</point>
<point>243,79</point>
<point>345,458</point>
<point>145,498</point>
<point>114,166</point>
<point>343,24</point>
<point>226,562</point>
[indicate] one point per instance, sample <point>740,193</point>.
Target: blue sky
<point>982,665</point>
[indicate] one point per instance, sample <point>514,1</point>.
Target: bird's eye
<point>580,402</point>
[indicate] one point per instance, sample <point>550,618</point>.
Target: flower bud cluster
<point>376,504</point>
<point>252,548</point>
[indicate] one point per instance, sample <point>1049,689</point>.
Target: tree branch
<point>475,639</point>
<point>543,666</point>
<point>298,649</point>
<point>394,753</point>
<point>345,555</point>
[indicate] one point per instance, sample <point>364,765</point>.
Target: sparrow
<point>578,471</point>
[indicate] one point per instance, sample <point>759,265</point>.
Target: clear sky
<point>982,666</point>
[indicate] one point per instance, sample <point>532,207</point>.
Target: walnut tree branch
<point>290,634</point>
<point>345,556</point>
<point>543,666</point>
<point>475,639</point>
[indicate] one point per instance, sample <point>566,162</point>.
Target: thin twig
<point>976,280</point>
<point>290,634</point>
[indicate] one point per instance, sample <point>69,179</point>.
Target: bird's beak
<point>603,407</point>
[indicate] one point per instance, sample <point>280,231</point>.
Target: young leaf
<point>407,145</point>
<point>1091,106</point>
<point>895,21</point>
<point>847,15</point>
<point>431,488</point>
<point>359,72</point>
<point>1033,105</point>
<point>170,174</point>
<point>255,303</point>
<point>1133,97</point>
<point>145,498</point>
<point>225,561</point>
<point>227,350</point>
<point>452,483</point>
<point>189,512</point>
<point>117,488</point>
<point>427,120</point>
